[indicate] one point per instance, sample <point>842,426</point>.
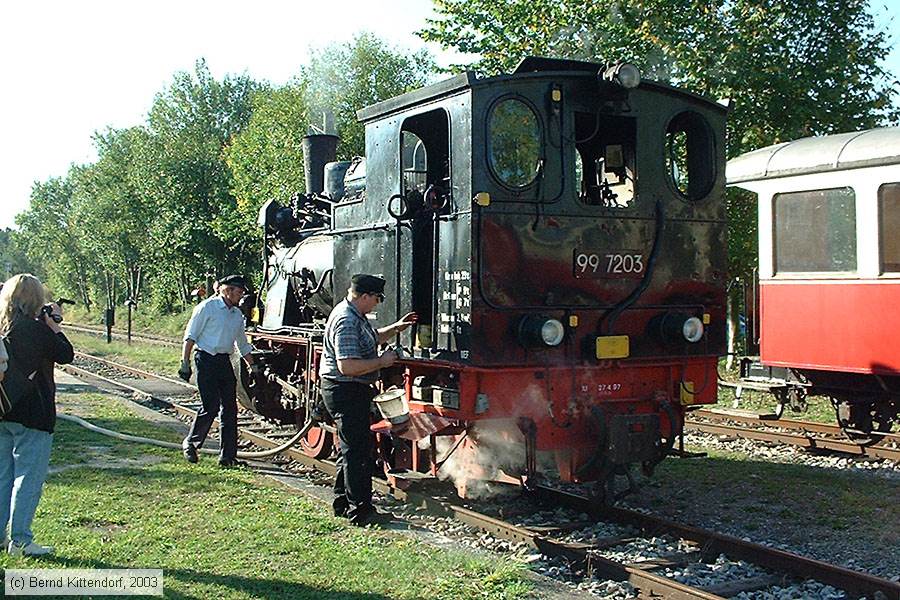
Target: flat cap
<point>367,284</point>
<point>235,281</point>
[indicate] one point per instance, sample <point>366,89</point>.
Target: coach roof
<point>870,148</point>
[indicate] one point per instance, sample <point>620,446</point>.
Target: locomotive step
<point>408,475</point>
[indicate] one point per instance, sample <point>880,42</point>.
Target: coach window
<point>888,226</point>
<point>690,155</point>
<point>604,159</point>
<point>815,231</point>
<point>514,143</point>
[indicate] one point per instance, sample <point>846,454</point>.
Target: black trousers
<point>348,403</point>
<point>218,393</point>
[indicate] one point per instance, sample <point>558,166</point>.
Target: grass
<point>151,357</point>
<point>819,408</point>
<point>227,534</point>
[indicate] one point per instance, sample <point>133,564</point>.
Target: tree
<point>197,227</point>
<point>47,231</point>
<point>13,258</point>
<point>343,78</point>
<point>112,216</point>
<point>266,158</point>
<point>793,68</point>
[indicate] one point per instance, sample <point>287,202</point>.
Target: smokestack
<point>318,150</point>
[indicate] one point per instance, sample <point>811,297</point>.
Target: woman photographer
<point>34,342</point>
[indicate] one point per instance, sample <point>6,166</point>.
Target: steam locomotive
<point>560,232</point>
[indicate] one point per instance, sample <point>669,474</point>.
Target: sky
<point>73,68</point>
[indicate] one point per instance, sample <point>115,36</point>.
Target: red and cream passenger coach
<point>828,297</point>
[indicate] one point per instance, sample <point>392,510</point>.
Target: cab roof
<point>528,67</point>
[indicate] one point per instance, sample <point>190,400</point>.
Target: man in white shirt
<point>216,327</point>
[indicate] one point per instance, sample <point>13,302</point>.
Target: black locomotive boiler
<point>560,232</point>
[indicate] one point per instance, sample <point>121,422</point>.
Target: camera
<point>48,310</point>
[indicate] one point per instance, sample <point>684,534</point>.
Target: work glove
<point>185,371</point>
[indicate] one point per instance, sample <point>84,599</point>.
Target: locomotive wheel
<point>862,422</point>
<point>317,443</point>
<point>247,387</point>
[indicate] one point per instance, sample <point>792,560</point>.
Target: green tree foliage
<point>197,227</point>
<point>343,78</point>
<point>13,258</point>
<point>793,68</point>
<point>266,159</point>
<point>112,214</point>
<point>49,235</point>
<point>178,196</point>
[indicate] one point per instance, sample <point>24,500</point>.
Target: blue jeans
<point>24,460</point>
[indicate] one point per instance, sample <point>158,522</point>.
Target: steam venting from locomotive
<point>298,257</point>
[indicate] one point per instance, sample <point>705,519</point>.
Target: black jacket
<point>35,348</point>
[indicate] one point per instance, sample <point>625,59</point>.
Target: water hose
<point>172,445</point>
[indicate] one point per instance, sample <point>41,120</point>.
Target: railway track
<point>119,334</point>
<point>803,434</point>
<point>647,577</point>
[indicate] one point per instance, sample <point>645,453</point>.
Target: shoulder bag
<point>16,385</point>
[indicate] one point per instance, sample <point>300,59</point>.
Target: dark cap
<point>367,284</point>
<point>234,280</point>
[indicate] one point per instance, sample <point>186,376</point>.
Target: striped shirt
<point>348,334</point>
<point>217,328</point>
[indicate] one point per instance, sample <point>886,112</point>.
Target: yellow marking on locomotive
<point>573,320</point>
<point>483,199</point>
<point>687,392</point>
<point>706,318</point>
<point>613,346</point>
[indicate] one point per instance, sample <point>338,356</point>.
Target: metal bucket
<point>393,405</point>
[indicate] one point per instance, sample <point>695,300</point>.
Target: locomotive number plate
<point>623,264</point>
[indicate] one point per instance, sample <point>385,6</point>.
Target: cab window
<point>690,156</point>
<point>415,162</point>
<point>815,231</point>
<point>514,143</point>
<point>604,159</point>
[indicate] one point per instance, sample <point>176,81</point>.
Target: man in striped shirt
<point>349,366</point>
